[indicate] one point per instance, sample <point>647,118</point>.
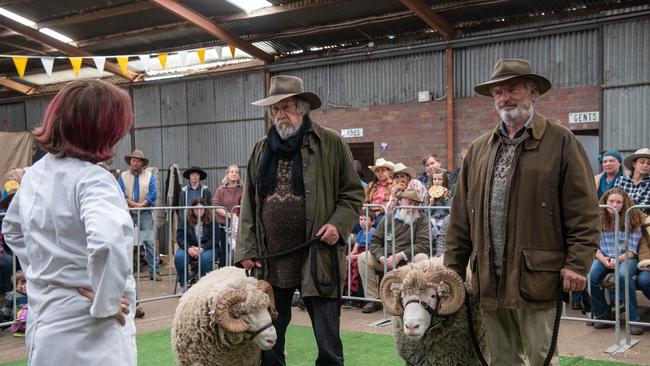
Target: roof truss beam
<point>433,19</point>
<point>14,85</point>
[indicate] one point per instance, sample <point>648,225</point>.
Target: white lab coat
<point>68,225</point>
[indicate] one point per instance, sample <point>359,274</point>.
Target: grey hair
<point>303,106</point>
<point>532,86</point>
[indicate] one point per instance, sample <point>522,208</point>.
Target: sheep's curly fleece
<point>447,342</point>
<point>197,340</point>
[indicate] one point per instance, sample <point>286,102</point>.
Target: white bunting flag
<point>183,57</point>
<point>48,64</point>
<point>145,62</point>
<point>99,63</point>
<point>219,49</point>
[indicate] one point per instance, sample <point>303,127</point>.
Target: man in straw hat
<point>300,183</point>
<point>405,178</point>
<point>411,238</point>
<point>525,207</point>
<point>139,187</point>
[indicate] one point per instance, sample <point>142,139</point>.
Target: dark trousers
<point>325,317</point>
<point>222,245</point>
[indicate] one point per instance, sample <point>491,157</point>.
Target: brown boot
<point>371,307</point>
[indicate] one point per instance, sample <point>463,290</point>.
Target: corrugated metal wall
<point>376,82</point>
<point>626,125</point>
<point>568,60</point>
<point>12,117</point>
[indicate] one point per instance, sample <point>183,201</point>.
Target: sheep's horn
<point>224,316</point>
<point>392,303</point>
<point>268,289</point>
<point>453,295</point>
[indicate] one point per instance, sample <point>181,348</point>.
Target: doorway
<point>365,153</point>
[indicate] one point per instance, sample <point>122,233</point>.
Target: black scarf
<point>277,148</point>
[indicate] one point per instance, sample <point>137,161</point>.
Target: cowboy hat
<point>411,194</point>
<point>286,86</point>
<point>510,68</point>
<point>136,154</point>
<point>195,169</point>
<point>382,163</point>
<point>403,169</point>
<point>641,153</point>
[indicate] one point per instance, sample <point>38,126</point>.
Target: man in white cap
<point>300,183</point>
<point>525,215</point>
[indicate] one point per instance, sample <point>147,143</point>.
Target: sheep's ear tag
<point>211,312</point>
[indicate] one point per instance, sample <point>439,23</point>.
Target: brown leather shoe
<point>158,278</point>
<point>139,312</point>
<point>636,330</point>
<point>371,307</point>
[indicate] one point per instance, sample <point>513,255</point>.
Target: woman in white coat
<point>69,227</point>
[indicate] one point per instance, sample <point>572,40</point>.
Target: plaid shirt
<point>640,194</point>
<point>608,242</point>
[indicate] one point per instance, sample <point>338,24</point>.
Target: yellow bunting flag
<point>21,64</point>
<point>201,54</point>
<point>124,62</point>
<point>232,51</point>
<point>162,57</point>
<point>76,64</point>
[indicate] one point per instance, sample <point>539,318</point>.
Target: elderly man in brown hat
<point>139,187</point>
<point>525,215</point>
<point>411,238</point>
<point>300,183</point>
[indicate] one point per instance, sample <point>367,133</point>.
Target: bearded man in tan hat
<point>411,238</point>
<point>300,183</point>
<point>525,214</point>
<point>139,187</point>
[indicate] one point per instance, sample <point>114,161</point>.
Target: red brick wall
<point>413,130</point>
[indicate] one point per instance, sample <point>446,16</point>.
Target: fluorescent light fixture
<point>163,77</point>
<point>250,5</point>
<point>56,35</point>
<point>18,18</point>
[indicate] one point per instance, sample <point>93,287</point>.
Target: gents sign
<point>584,117</point>
<point>352,132</point>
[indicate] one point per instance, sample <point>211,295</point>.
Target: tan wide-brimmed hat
<point>382,163</point>
<point>510,68</point>
<point>641,153</point>
<point>411,194</point>
<point>285,86</point>
<point>136,154</point>
<point>403,169</point>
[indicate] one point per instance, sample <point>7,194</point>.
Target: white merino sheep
<point>427,301</point>
<point>224,319</point>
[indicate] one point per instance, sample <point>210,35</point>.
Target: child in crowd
<point>9,313</point>
<point>361,243</point>
<point>439,193</point>
<point>609,250</point>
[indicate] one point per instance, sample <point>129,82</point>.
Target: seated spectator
<point>411,240</point>
<point>9,313</point>
<point>404,178</point>
<point>440,196</point>
<point>643,279</point>
<point>227,195</point>
<point>378,191</point>
<point>612,164</point>
<point>605,260</point>
<point>637,184</point>
<point>195,243</point>
<point>430,162</point>
<point>361,242</point>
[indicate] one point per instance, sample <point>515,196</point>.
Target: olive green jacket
<point>333,195</point>
<point>552,217</point>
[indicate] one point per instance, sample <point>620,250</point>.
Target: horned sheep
<point>224,319</point>
<point>427,301</point>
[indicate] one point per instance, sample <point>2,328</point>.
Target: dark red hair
<point>85,120</point>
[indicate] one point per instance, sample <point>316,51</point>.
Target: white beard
<point>409,216</point>
<point>510,117</point>
<point>285,129</point>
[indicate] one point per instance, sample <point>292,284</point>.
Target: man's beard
<point>284,129</point>
<point>515,115</point>
<point>409,216</point>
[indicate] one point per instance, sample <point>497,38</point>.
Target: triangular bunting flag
<point>201,54</point>
<point>48,64</point>
<point>145,62</point>
<point>232,51</point>
<point>183,56</point>
<point>76,64</point>
<point>124,63</point>
<point>21,63</point>
<point>162,57</point>
<point>219,49</point>
<point>99,64</point>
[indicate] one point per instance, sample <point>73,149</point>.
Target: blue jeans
<point>180,260</point>
<point>146,228</point>
<point>644,283</point>
<point>597,273</point>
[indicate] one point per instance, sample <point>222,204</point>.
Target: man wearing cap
<point>524,214</point>
<point>139,187</point>
<point>405,178</point>
<point>411,238</point>
<point>637,184</point>
<point>300,183</point>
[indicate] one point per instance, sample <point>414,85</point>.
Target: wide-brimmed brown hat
<point>403,169</point>
<point>136,154</point>
<point>641,153</point>
<point>382,163</point>
<point>286,86</point>
<point>411,194</point>
<point>510,68</point>
<point>195,169</point>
